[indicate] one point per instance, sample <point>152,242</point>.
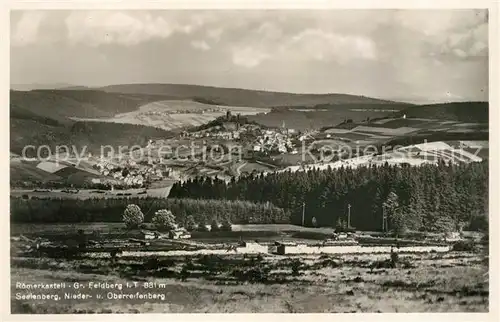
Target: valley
<point>163,141</point>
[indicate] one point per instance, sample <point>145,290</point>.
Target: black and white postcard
<point>266,159</point>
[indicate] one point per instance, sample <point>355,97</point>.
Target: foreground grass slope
<point>453,282</point>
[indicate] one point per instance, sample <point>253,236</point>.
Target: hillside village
<point>266,142</point>
<point>131,173</point>
<point>254,137</point>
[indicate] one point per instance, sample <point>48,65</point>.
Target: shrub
<point>226,225</point>
<point>214,226</point>
<point>190,223</point>
<point>485,240</point>
<point>184,273</point>
<point>394,259</point>
<point>464,246</point>
<point>164,220</point>
<point>296,264</point>
<point>202,226</point>
<point>133,216</point>
<point>252,275</point>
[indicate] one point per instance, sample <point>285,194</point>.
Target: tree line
<point>445,197</point>
<point>47,210</point>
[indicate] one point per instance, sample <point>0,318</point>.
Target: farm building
<point>251,247</point>
<point>179,233</point>
<point>280,247</point>
<point>144,234</point>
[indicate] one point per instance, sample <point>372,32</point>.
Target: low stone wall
<point>358,249</point>
<point>299,249</point>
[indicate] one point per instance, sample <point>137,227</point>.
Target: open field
<point>417,154</point>
<point>108,226</point>
<point>161,191</point>
<point>315,119</point>
<point>451,282</point>
<point>23,173</point>
<point>170,114</point>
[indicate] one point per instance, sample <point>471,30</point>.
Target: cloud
<point>270,31</point>
<point>453,34</point>
<point>25,32</point>
<point>248,57</point>
<point>129,28</point>
<point>420,52</point>
<point>215,34</point>
<point>320,45</point>
<point>270,43</point>
<point>103,27</point>
<point>200,45</point>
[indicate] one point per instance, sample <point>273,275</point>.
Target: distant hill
<point>59,104</point>
<point>79,88</point>
<point>240,97</point>
<point>30,87</point>
<point>93,135</point>
<point>459,111</point>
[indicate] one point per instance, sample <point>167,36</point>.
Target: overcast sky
<point>400,54</point>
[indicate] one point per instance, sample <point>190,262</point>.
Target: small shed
<point>147,234</point>
<point>179,233</point>
<point>280,247</point>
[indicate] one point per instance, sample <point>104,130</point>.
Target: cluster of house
<point>274,141</point>
<point>228,131</point>
<point>130,173</point>
<point>226,135</point>
<point>184,111</point>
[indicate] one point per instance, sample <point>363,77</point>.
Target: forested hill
<point>239,96</point>
<point>456,111</point>
<point>431,198</point>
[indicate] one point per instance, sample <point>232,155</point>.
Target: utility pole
<point>384,220</point>
<point>349,216</point>
<point>303,212</point>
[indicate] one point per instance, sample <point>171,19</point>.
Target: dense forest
<point>431,198</point>
<point>92,136</point>
<point>46,210</point>
<point>455,111</point>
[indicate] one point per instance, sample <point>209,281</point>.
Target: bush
<point>252,275</point>
<point>184,273</point>
<point>226,225</point>
<point>464,246</point>
<point>164,220</point>
<point>485,240</point>
<point>296,264</point>
<point>214,226</point>
<point>133,216</point>
<point>202,226</point>
<point>190,223</point>
<point>394,259</point>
